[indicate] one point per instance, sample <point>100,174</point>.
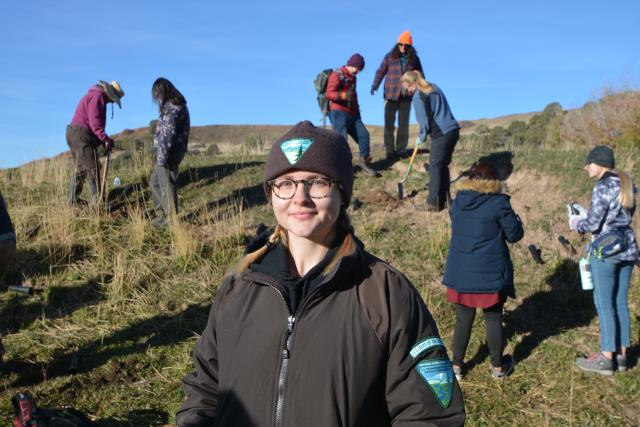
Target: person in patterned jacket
<point>612,208</point>
<point>402,58</point>
<point>171,139</point>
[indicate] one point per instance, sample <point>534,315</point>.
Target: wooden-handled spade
<point>406,175</point>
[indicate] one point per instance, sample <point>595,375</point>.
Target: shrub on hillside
<point>213,150</point>
<point>517,131</point>
<point>614,119</point>
<point>544,128</point>
<point>252,144</point>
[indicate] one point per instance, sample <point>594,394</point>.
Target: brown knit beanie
<point>308,148</point>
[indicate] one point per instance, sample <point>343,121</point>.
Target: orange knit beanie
<point>405,38</point>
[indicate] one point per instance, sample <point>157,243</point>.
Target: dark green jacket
<point>361,350</point>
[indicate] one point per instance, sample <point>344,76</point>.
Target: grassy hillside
<point>122,304</point>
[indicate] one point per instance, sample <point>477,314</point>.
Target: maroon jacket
<point>91,113</point>
<point>341,91</point>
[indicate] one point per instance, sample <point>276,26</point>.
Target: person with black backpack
<point>403,57</point>
<point>344,111</point>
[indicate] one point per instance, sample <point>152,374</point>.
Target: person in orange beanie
<point>402,58</point>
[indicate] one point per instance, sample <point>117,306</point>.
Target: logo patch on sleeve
<point>438,374</point>
<point>294,149</point>
<point>424,345</point>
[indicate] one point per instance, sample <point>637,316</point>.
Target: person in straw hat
<point>86,133</point>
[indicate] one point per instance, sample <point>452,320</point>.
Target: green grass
<point>128,301</point>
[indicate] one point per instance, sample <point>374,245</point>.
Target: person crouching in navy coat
<point>479,272</point>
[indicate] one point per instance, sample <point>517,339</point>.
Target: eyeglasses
<point>402,45</point>
<point>316,188</point>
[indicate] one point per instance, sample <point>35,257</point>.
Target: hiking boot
<point>160,221</point>
<point>597,363</point>
<point>365,165</point>
<point>457,371</point>
<point>507,367</point>
<point>621,361</point>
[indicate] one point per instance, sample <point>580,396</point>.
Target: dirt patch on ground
<point>381,198</point>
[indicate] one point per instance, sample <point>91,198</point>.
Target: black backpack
<point>27,415</point>
<point>320,84</point>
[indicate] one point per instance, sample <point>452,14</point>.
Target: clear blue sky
<point>253,62</point>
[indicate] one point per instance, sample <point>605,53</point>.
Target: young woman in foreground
<point>312,330</point>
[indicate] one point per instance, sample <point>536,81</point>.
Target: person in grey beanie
<point>609,223</point>
<point>311,329</point>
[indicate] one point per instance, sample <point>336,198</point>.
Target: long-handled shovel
<point>406,175</point>
<point>103,183</point>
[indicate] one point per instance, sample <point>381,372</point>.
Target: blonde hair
<point>414,77</point>
<point>343,224</point>
<point>627,196</point>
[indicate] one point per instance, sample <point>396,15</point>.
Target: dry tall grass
<point>613,119</point>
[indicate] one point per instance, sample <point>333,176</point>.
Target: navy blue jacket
<point>482,221</point>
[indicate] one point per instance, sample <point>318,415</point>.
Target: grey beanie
<point>602,155</point>
<point>308,148</point>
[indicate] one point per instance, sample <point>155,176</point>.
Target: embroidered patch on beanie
<point>294,149</point>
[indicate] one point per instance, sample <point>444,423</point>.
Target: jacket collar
<point>348,267</point>
<point>483,186</point>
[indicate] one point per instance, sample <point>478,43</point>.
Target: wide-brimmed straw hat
<point>114,91</point>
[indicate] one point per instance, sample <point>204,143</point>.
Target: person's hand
<point>108,146</point>
<point>373,91</point>
<point>573,222</point>
<point>419,141</point>
<point>581,210</point>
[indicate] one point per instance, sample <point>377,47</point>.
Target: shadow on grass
<point>545,313</point>
<point>56,302</point>
<point>138,418</point>
<point>248,196</point>
<point>160,330</point>
<point>549,313</point>
<point>29,263</point>
<point>206,175</point>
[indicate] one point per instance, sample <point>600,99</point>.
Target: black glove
<point>373,91</point>
<point>108,146</point>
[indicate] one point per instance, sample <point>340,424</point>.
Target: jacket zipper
<point>284,365</point>
<point>286,351</point>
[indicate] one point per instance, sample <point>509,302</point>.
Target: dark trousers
<point>83,146</point>
<point>493,326</point>
<point>346,124</point>
<point>401,107</point>
<point>441,152</point>
<point>164,188</point>
<point>7,251</point>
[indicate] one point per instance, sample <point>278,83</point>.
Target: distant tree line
<point>614,119</point>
